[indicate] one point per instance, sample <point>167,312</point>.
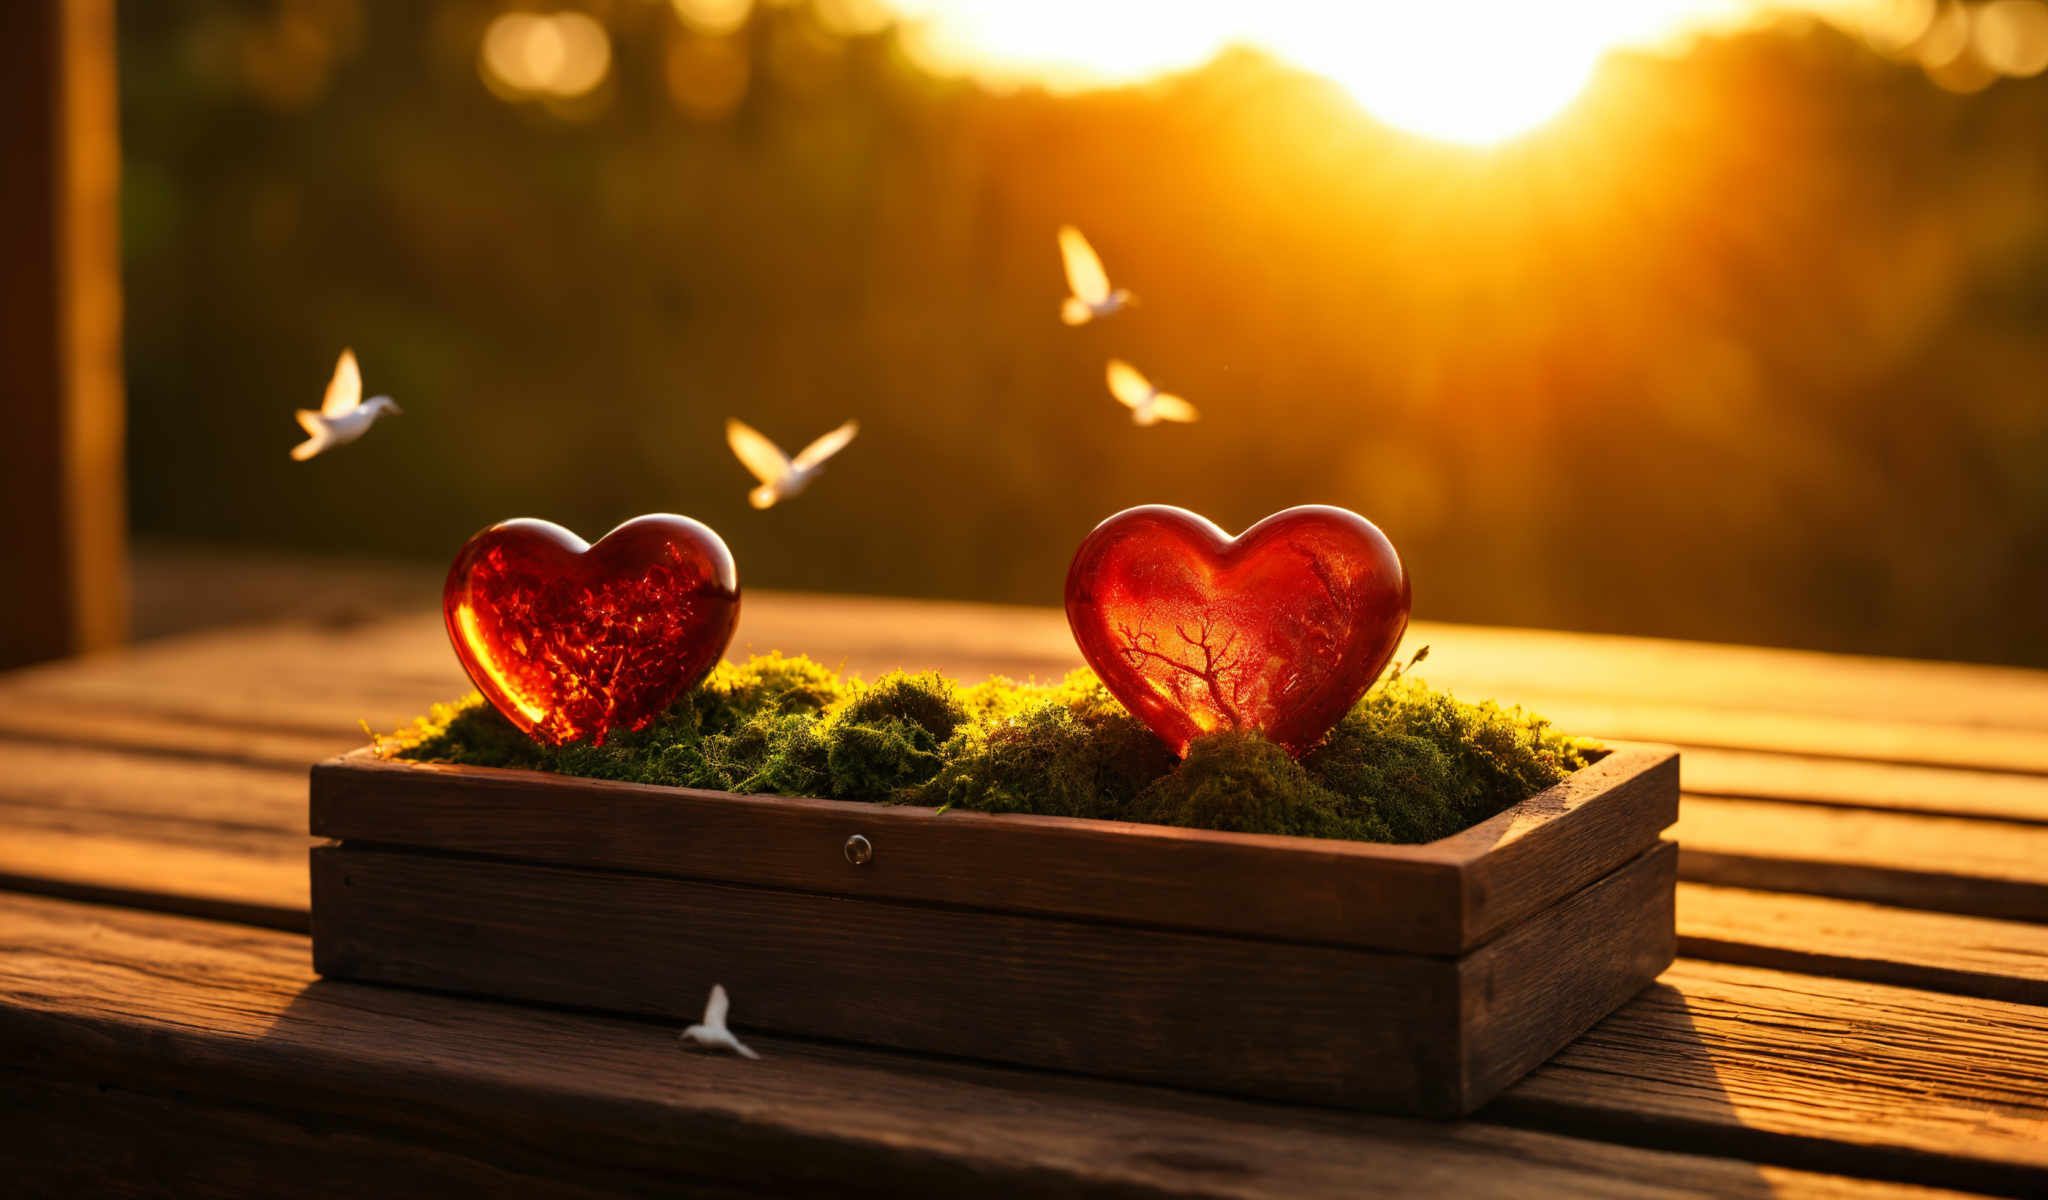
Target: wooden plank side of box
<point>1563,838</point>
<point>1533,990</point>
<point>1272,1019</point>
<point>1442,898</point>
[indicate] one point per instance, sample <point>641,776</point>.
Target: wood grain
<point>199,795</point>
<point>1754,775</point>
<point>258,879</point>
<point>257,1072</point>
<point>1560,840</point>
<point>35,720</point>
<point>327,677</point>
<point>1321,1024</point>
<point>63,549</point>
<point>1834,1074</point>
<point>1440,898</point>
<point>1314,891</point>
<point>167,833</point>
<point>1545,981</point>
<point>222,1054</point>
<point>1970,956</point>
<point>1975,867</point>
<point>1765,727</point>
<point>1491,661</point>
<point>95,1138</point>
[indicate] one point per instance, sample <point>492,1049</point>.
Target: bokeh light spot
<point>714,16</point>
<point>1946,38</point>
<point>2011,36</point>
<point>564,55</point>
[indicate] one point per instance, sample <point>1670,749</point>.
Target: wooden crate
<point>1398,978</point>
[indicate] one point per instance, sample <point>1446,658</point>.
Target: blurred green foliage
<point>1753,347</point>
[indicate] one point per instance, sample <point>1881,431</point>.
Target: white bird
<point>782,476</point>
<point>344,415</point>
<point>712,1033</point>
<point>1148,404</point>
<point>1092,297</point>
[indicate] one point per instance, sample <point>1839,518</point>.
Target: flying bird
<point>782,476</point>
<point>344,415</point>
<point>1148,404</point>
<point>712,1033</point>
<point>1088,281</point>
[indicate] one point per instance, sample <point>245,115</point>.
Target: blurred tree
<point>1750,347</point>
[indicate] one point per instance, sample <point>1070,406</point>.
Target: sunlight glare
<point>1472,74</point>
<point>1063,45</point>
<point>1467,71</point>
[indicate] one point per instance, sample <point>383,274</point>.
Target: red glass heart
<point>571,641</point>
<point>1280,630</point>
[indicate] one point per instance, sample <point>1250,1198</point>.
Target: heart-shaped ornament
<point>571,641</point>
<point>1281,629</point>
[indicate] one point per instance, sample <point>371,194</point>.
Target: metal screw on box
<point>859,850</point>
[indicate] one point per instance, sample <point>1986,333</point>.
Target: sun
<point>1469,99</point>
<point>1471,72</point>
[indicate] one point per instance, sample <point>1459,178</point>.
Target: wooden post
<point>63,505</point>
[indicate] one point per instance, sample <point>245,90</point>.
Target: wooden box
<point>1398,978</point>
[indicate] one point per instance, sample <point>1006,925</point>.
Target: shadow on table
<point>1642,1081</point>
<point>1648,1077</point>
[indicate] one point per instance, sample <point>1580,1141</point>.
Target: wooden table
<point>1861,1004</point>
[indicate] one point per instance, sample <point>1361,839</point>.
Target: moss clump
<point>1066,750</point>
<point>1242,783</point>
<point>1407,764</point>
<point>1438,764</point>
<point>768,683</point>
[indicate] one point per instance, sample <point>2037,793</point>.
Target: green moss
<point>1441,763</point>
<point>767,683</point>
<point>925,701</point>
<point>1053,753</point>
<point>1242,783</point>
<point>1407,764</point>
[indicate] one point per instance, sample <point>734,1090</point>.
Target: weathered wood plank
<point>1328,1025</point>
<point>157,846</point>
<point>142,826</point>
<point>1844,939</point>
<point>33,720</point>
<point>1543,982</point>
<point>872,634</point>
<point>1142,874</point>
<point>258,878</point>
<point>1979,868</point>
<point>1486,660</point>
<point>1696,726</point>
<point>1516,863</point>
<point>96,1138</point>
<point>203,795</point>
<point>1756,775</point>
<point>1442,898</point>
<point>1839,1075</point>
<point>166,833</point>
<point>311,683</point>
<point>175,1016</point>
<point>322,678</point>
